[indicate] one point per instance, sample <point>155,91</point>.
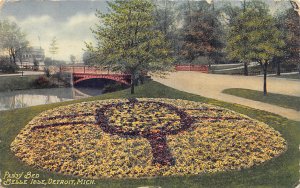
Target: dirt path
<point>212,85</point>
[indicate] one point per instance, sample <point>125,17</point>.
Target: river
<point>33,97</point>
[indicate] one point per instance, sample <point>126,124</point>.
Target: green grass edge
<point>282,171</point>
<point>286,101</point>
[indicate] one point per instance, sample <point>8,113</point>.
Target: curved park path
<point>212,85</point>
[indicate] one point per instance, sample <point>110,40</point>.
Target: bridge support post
<point>72,80</point>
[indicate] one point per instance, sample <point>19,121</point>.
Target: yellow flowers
<point>67,140</point>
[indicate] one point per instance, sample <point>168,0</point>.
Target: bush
<point>35,65</point>
<point>6,66</point>
<point>42,82</point>
<point>47,72</point>
<point>114,87</point>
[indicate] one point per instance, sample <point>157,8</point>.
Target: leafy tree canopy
<point>127,39</point>
<point>202,33</point>
<point>12,40</point>
<point>254,37</point>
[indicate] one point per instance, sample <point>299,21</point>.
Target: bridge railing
<point>200,68</point>
<point>97,70</point>
<point>86,70</point>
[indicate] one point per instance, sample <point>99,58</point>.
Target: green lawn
<point>288,76</point>
<point>16,82</point>
<point>286,101</point>
<point>10,83</point>
<point>280,172</point>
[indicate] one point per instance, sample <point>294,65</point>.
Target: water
<point>33,97</point>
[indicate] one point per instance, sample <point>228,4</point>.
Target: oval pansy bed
<point>123,138</point>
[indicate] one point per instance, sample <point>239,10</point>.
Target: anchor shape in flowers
<point>148,119</point>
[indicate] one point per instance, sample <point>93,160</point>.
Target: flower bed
<point>123,138</point>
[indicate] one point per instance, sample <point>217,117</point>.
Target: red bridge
<point>81,73</point>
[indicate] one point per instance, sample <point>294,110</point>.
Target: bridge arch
<point>117,80</point>
<point>121,78</point>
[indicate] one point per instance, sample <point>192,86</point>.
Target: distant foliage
<point>42,82</point>
<point>253,36</point>
<point>6,66</point>
<point>201,34</point>
<point>291,28</point>
<point>12,41</point>
<point>53,48</point>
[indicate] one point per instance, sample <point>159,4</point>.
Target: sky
<point>67,20</point>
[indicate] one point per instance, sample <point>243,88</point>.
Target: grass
<point>285,101</point>
<point>280,172</point>
<point>288,76</point>
<point>8,83</point>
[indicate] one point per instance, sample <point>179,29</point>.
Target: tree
<point>201,34</point>
<point>35,65</point>
<point>254,37</point>
<point>53,48</point>
<point>73,59</point>
<point>129,42</point>
<point>91,59</point>
<point>296,5</point>
<point>233,12</point>
<point>291,27</point>
<point>165,19</point>
<point>22,51</point>
<point>48,61</point>
<point>280,23</point>
<point>12,40</point>
<point>6,66</point>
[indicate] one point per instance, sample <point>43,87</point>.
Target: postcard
<point>149,93</point>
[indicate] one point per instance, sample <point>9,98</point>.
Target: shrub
<point>114,87</point>
<point>47,72</point>
<point>42,82</point>
<point>6,66</point>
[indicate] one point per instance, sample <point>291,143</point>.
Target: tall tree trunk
<point>265,67</point>
<point>10,55</point>
<point>244,6</point>
<point>165,20</point>
<point>14,59</point>
<point>132,83</point>
<point>278,68</point>
<point>141,78</point>
<point>190,12</point>
<point>136,81</point>
<point>245,68</point>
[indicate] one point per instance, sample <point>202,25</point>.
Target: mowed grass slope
<point>288,76</point>
<point>280,172</point>
<point>8,83</point>
<point>285,101</point>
